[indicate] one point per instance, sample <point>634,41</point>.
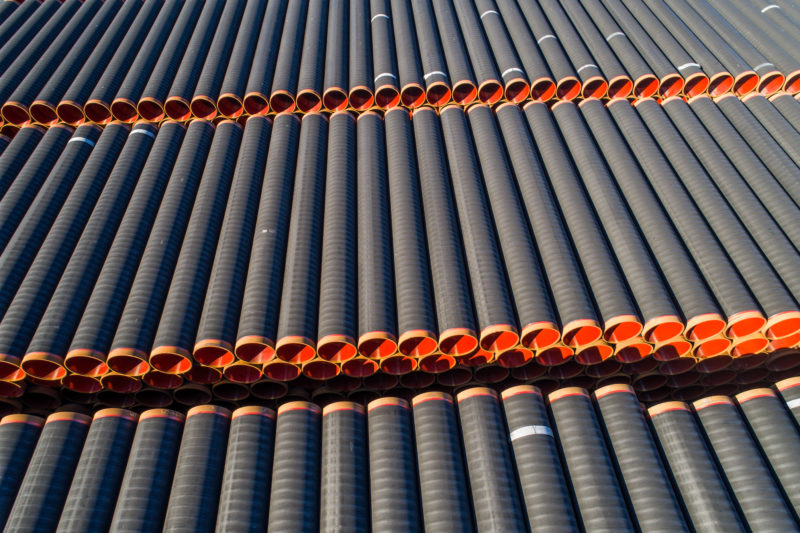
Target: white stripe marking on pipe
<point>525,431</point>
<point>615,34</point>
<point>379,15</point>
<point>384,75</point>
<point>791,404</point>
<point>767,64</point>
<point>83,139</point>
<point>543,37</point>
<point>512,69</point>
<point>588,65</point>
<point>146,132</point>
<point>771,6</point>
<point>687,65</point>
<point>434,73</point>
<point>489,13</point>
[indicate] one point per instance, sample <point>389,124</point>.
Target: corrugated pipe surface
<point>477,461</point>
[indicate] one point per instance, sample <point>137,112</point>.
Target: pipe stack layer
<point>339,255</point>
<point>74,61</point>
<point>516,460</point>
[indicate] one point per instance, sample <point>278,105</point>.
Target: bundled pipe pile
<point>654,244</point>
<point>94,61</point>
<point>480,461</point>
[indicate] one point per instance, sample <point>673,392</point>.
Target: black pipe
<point>486,71</point>
<point>297,321</point>
<point>295,489</point>
<point>565,279</point>
<point>769,118</point>
<point>645,82</point>
<point>697,481</point>
<point>16,153</point>
<point>393,478</point>
<point>258,320</point>
<point>344,481</point>
<point>163,71</point>
<point>753,267</point>
<point>432,57</point>
<point>567,84</point>
<point>230,99</point>
<point>416,316</point>
<point>534,63</point>
<point>768,177</point>
<point>32,227</point>
<point>710,258</point>
<point>68,274</point>
<point>461,77</point>
<point>533,308</point>
<point>338,289</point>
<point>653,298</point>
<point>99,472</point>
<point>516,80</point>
<point>442,481</point>
<point>335,83</point>
<point>685,282</point>
<point>774,43</point>
<point>287,65</point>
<point>452,295</point>
<point>55,37</point>
<point>217,57</point>
<point>29,27</point>
<point>95,97</point>
<point>177,329</point>
<point>198,53</point>
<point>409,65</point>
<point>789,107</point>
<point>544,489</point>
<point>44,488</point>
<point>143,495</point>
<point>777,438</point>
<point>592,80</point>
<point>777,15</point>
<point>360,90</point>
<point>195,492</point>
<point>790,392</point>
<point>66,91</point>
<point>244,496</point>
<point>14,14</point>
<point>770,138</point>
<point>384,57</point>
<point>257,92</point>
<point>660,49</point>
<point>100,317</point>
<point>588,463</point>
<point>139,318</point>
<point>729,46</point>
<point>216,330</point>
<point>310,76</point>
<point>495,496</point>
<point>747,474</point>
<point>614,303</point>
<point>41,91</point>
<point>775,242</point>
<point>604,46</point>
<point>633,449</point>
<point>493,306</point>
<point>18,435</point>
<point>124,98</point>
<point>377,320</point>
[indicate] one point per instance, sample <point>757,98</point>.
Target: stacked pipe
<point>71,62</point>
<point>517,459</point>
<point>652,244</point>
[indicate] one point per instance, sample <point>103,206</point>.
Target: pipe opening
<point>203,107</point>
<point>334,99</point>
<point>438,94</point>
<point>490,92</point>
<point>464,92</point>
<point>308,100</point>
<point>361,98</point>
<point>387,97</point>
<point>122,110</point>
<point>70,112</point>
<point>412,95</point>
<point>256,104</point>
